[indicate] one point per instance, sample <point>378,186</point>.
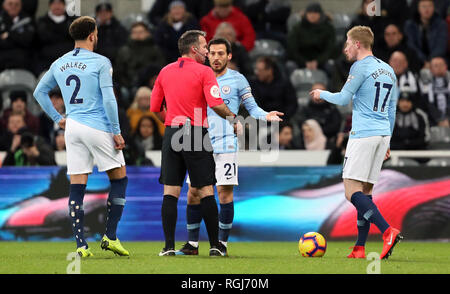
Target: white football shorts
<point>86,146</point>
<point>226,169</point>
<point>364,158</point>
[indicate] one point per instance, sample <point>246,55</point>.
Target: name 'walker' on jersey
<point>81,74</point>
<point>234,90</point>
<point>372,86</point>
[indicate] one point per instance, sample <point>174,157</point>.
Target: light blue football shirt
<point>85,80</point>
<point>234,90</point>
<point>372,87</point>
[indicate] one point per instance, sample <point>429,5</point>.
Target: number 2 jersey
<point>85,80</point>
<point>372,85</point>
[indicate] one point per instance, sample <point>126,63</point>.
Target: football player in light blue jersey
<point>92,129</point>
<point>372,88</point>
<point>234,90</point>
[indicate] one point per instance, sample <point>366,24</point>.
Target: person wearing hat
<point>18,100</point>
<point>52,35</point>
<point>311,42</point>
<point>172,26</point>
<point>412,127</point>
<point>224,11</point>
<point>111,33</point>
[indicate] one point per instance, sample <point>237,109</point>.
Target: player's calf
<point>76,212</point>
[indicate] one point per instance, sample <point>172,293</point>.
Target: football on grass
<point>312,244</point>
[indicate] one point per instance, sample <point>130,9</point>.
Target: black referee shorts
<point>187,148</point>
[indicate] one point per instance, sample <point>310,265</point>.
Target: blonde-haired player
<point>372,88</point>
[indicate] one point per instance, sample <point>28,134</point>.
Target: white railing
<point>285,157</point>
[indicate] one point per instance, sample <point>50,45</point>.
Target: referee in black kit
<point>180,97</point>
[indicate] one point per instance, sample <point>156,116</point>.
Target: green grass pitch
<point>245,258</point>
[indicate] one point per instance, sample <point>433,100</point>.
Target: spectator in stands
<point>29,7</point>
<point>198,8</point>
<point>396,12</point>
<point>112,35</point>
<point>172,26</point>
<point>53,36</point>
<point>439,93</point>
<point>285,137</point>
<point>427,33</point>
<point>313,137</point>
<point>269,18</point>
<point>16,36</point>
<point>146,135</point>
<point>311,42</point>
<point>137,54</point>
<point>239,60</point>
<point>148,75</point>
<point>19,106</point>
<point>271,90</point>
<point>326,114</point>
<point>60,142</point>
<point>10,139</point>
<point>145,138</point>
<point>376,23</point>
<point>32,151</point>
<point>412,129</point>
<point>395,41</point>
<point>141,107</point>
<point>407,81</point>
<point>441,7</point>
<point>47,125</point>
<point>224,11</point>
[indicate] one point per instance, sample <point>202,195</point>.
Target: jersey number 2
<point>377,95</point>
<point>74,99</point>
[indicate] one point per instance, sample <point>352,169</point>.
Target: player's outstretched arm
<point>257,112</point>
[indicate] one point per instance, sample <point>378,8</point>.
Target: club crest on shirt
<point>215,92</point>
<point>226,90</point>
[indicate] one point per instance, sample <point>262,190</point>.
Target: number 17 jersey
<point>80,74</point>
<point>374,85</point>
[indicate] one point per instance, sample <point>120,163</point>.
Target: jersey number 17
<point>378,85</point>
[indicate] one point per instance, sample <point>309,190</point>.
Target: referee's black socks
<point>169,219</point>
<point>208,207</point>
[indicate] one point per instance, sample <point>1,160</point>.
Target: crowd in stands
<point>283,53</point>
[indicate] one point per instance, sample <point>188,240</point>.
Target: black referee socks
<point>169,219</point>
<point>208,207</point>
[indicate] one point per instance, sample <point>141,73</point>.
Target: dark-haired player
<point>92,128</point>
<point>235,90</point>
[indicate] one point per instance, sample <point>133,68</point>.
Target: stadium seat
<point>292,20</point>
<point>132,18</point>
<point>267,47</point>
<point>439,138</point>
<point>302,79</point>
<point>444,161</point>
<point>19,79</point>
<point>341,22</point>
